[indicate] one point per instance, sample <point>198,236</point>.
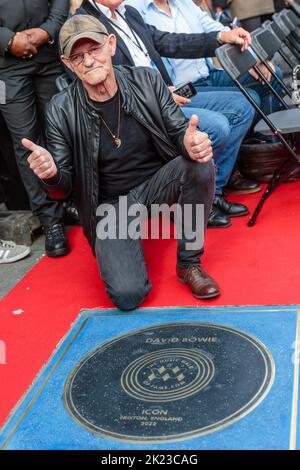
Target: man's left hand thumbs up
<point>197,144</point>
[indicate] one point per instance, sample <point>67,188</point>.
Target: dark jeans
<point>121,261</point>
<point>29,87</point>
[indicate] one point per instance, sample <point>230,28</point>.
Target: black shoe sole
<point>208,296</point>
<point>241,214</point>
<point>220,226</point>
<point>58,252</point>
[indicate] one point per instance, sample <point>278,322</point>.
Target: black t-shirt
<point>136,160</point>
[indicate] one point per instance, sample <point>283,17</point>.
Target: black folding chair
<point>295,7</point>
<point>282,123</point>
<point>293,17</point>
<point>288,29</point>
<point>264,45</point>
<point>293,22</point>
<point>278,34</point>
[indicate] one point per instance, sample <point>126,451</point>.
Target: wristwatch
<point>219,38</point>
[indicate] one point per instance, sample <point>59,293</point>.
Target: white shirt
<point>135,45</point>
<point>186,17</point>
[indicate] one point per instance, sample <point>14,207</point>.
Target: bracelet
<point>9,43</point>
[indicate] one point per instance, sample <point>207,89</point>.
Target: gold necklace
<point>116,137</point>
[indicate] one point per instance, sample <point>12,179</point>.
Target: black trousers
<point>121,258</point>
<point>29,87</point>
<point>250,24</point>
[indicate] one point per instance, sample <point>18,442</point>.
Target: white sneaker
<point>10,252</point>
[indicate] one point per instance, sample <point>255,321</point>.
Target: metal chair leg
<point>280,175</point>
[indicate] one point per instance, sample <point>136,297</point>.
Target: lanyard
<point>136,42</point>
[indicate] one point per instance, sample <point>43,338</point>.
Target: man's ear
<point>112,44</point>
<point>66,62</point>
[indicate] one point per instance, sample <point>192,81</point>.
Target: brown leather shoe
<point>200,283</point>
<point>238,184</point>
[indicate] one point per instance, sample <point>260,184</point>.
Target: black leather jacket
<point>73,134</point>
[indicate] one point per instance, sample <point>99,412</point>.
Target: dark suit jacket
<point>158,43</point>
<point>16,15</point>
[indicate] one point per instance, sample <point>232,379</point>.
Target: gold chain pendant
<point>117,142</point>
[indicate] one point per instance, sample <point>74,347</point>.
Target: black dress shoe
<point>71,216</point>
<point>56,243</point>
<point>238,184</point>
<point>217,219</point>
<point>229,208</point>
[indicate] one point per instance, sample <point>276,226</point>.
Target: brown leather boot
<point>200,283</point>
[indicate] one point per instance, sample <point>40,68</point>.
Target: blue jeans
<point>218,80</point>
<point>226,118</point>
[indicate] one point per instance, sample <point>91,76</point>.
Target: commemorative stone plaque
<point>169,382</point>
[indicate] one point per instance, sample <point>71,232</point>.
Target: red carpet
<point>254,266</point>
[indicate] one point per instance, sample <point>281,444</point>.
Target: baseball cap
<point>79,27</point>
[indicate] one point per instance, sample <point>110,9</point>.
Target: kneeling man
<point>116,133</point>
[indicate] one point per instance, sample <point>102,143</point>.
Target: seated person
<point>116,131</point>
<point>183,16</point>
<point>252,13</point>
<point>226,121</point>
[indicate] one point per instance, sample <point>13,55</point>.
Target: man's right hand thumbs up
<point>193,124</point>
<point>40,160</point>
<point>197,144</point>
